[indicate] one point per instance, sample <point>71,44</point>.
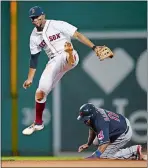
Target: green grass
<point>11,158</point>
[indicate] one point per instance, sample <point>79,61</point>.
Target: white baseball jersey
<point>52,38</point>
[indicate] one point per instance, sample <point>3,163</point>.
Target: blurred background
<point>119,84</point>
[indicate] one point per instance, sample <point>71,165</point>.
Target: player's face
<point>38,21</point>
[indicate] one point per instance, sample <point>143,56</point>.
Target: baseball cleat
<point>139,152</point>
<point>69,49</point>
<point>32,128</point>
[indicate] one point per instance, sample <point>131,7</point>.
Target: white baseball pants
<point>54,71</point>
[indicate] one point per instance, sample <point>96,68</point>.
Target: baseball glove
<point>104,53</point>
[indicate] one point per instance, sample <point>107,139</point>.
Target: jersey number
<point>113,116</point>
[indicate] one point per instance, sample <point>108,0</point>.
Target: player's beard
<point>40,27</point>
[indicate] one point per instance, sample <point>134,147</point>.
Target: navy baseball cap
<point>36,11</point>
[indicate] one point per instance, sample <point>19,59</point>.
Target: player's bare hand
<point>27,83</point>
<point>83,147</point>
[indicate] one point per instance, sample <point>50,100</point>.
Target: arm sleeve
<point>34,48</point>
<point>65,28</point>
<point>34,60</point>
<point>103,132</point>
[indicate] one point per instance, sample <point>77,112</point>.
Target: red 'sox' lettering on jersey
<point>42,44</point>
<point>54,37</point>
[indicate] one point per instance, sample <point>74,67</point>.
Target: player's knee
<point>40,95</point>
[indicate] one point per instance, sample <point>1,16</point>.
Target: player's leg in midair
<point>53,72</point>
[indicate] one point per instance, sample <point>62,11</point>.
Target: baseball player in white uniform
<point>54,37</point>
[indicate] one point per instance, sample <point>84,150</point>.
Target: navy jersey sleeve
<point>102,128</point>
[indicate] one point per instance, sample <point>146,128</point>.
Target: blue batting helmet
<point>86,111</point>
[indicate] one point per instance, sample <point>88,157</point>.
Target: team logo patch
<point>100,135</point>
<point>32,11</point>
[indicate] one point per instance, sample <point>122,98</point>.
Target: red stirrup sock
<point>39,112</point>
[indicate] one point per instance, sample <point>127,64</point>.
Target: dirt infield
<point>78,163</point>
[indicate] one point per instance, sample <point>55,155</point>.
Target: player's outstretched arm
<point>32,70</point>
<point>29,80</point>
<point>102,52</point>
<point>99,151</point>
<point>83,39</point>
<point>91,137</point>
<point>102,147</point>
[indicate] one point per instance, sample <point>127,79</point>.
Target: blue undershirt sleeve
<point>34,60</point>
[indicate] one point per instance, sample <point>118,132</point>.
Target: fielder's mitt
<point>104,53</point>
